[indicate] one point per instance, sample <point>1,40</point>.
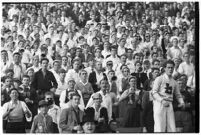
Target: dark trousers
<point>15,127</point>
<point>55,128</point>
<point>184,119</point>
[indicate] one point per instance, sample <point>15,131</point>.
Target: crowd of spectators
<point>91,66</point>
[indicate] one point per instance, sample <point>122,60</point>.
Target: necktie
<point>45,124</point>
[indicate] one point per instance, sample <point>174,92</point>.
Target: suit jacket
<point>68,119</point>
<point>147,111</point>
<point>92,79</point>
<point>89,56</point>
<point>44,83</point>
<point>141,78</point>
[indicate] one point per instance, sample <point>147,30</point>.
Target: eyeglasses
<point>49,98</point>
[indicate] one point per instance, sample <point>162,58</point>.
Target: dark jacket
<point>92,79</point>
<point>43,83</point>
<point>141,78</point>
<point>68,120</point>
<point>147,112</point>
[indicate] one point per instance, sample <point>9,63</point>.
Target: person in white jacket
<point>164,88</point>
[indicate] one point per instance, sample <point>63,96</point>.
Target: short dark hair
<point>49,93</point>
<point>25,76</point>
<point>153,69</point>
<point>155,60</point>
<point>138,62</point>
<point>169,62</point>
<point>111,71</point>
<point>43,59</point>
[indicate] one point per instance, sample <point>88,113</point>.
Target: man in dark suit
<point>71,118</point>
<point>141,77</point>
<point>96,75</point>
<point>44,80</point>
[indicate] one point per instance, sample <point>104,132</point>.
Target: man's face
<point>98,66</point>
<point>16,58</point>
<point>56,66</point>
<point>138,66</point>
<point>181,85</point>
<point>75,100</point>
<point>175,42</point>
<point>132,82</point>
<point>8,81</point>
<point>62,75</point>
<point>169,69</point>
<point>186,57</point>
<point>25,81</point>
<point>76,65</point>
<point>84,75</point>
<point>71,84</point>
<point>137,58</point>
<point>64,60</point>
<point>113,51</point>
<point>123,59</point>
<point>44,64</point>
<point>104,84</point>
<point>156,64</point>
<point>155,73</point>
<point>111,74</point>
<point>36,60</point>
<point>44,109</point>
<point>129,53</point>
<point>122,43</point>
<point>89,127</point>
<point>3,55</point>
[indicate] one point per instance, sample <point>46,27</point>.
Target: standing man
<point>44,80</point>
<point>164,88</point>
<point>71,118</point>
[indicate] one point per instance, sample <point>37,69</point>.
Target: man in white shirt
<point>13,11</point>
<point>55,69</point>
<point>17,66</point>
<point>186,67</point>
<point>174,51</point>
<point>107,101</point>
<point>74,73</point>
<point>164,88</point>
<point>113,57</point>
<point>121,48</point>
<point>64,97</point>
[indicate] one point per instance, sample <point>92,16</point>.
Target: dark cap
<point>87,118</point>
<point>62,70</point>
<point>42,103</point>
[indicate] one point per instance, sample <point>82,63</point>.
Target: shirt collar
<point>13,102</point>
<point>167,77</point>
<point>83,83</point>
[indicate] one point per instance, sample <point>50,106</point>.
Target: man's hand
<point>53,90</point>
<point>116,104</point>
<point>78,128</point>
<point>182,106</point>
<point>144,130</point>
<point>165,103</point>
<point>27,100</point>
<point>27,113</point>
<point>11,109</point>
<point>101,120</point>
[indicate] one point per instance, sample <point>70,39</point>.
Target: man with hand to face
<point>164,88</point>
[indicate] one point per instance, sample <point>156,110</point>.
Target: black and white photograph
<point>100,67</point>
